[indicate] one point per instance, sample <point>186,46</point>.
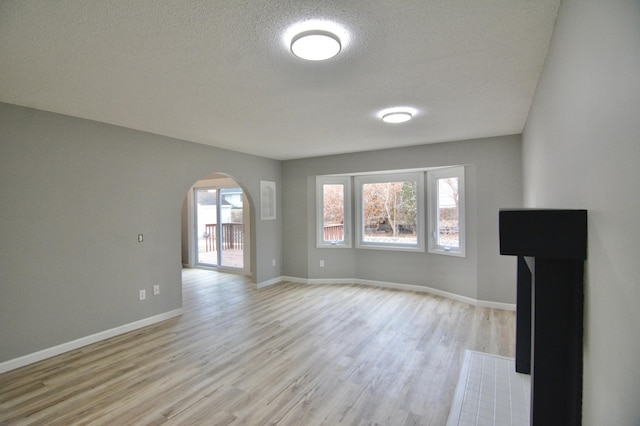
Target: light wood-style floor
<point>289,354</point>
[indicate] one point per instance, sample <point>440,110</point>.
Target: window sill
<point>414,249</point>
<point>447,252</point>
<point>334,246</point>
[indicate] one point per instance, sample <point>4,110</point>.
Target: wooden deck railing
<point>334,232</point>
<point>232,236</point>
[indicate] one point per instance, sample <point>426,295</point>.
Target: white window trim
<point>420,214</point>
<point>432,178</point>
<point>320,182</point>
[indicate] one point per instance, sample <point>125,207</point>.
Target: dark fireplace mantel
<point>551,246</point>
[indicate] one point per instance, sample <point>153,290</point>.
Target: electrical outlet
<point>273,262</point>
<point>140,238</point>
<point>156,289</point>
<point>322,263</point>
<point>142,294</point>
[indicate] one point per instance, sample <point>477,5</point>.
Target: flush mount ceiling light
<point>397,117</point>
<point>315,45</point>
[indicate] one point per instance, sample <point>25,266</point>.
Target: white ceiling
<point>219,72</point>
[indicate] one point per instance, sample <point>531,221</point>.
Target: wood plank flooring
<point>288,354</point>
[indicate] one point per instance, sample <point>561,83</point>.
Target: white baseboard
<point>397,286</point>
<point>496,305</point>
<point>272,281</point>
<point>12,364</point>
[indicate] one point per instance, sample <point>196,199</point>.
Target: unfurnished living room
<point>319,213</point>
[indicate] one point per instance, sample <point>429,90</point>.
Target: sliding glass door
<point>219,227</point>
<point>206,200</point>
<point>232,228</point>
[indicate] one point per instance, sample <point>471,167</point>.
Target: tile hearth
<point>490,392</point>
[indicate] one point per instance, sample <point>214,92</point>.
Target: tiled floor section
<point>490,392</point>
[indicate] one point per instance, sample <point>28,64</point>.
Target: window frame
<point>382,177</point>
<point>347,203</point>
<point>432,181</point>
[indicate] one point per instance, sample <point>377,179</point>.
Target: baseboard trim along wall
<point>12,364</point>
<point>397,286</point>
<point>273,281</point>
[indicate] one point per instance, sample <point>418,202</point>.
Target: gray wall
<point>581,149</point>
<point>493,180</point>
<point>75,194</point>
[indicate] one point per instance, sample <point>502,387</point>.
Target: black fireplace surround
<point>551,247</point>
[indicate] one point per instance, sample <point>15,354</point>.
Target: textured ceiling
<point>219,72</point>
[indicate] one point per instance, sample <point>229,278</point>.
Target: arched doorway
<point>216,220</point>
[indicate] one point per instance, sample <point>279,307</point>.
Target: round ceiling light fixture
<point>315,45</point>
<point>397,117</point>
<point>397,114</point>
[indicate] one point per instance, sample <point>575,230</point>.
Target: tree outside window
<point>333,211</point>
<point>390,211</point>
<point>446,211</point>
